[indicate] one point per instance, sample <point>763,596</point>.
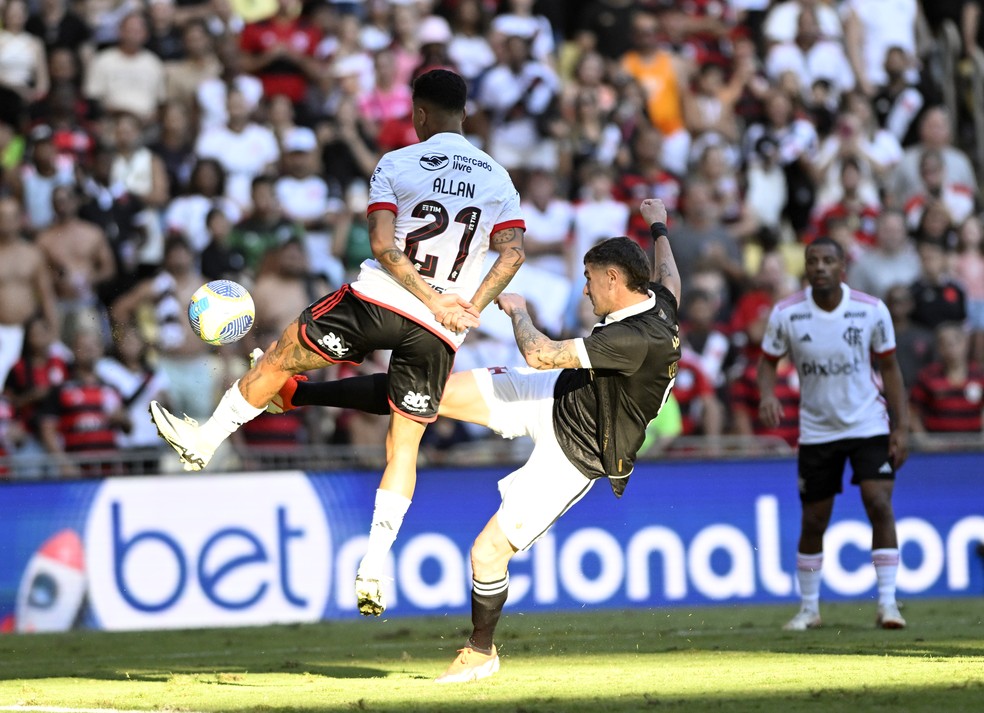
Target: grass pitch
<point>681,659</point>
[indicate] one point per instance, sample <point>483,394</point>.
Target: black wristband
<point>658,230</point>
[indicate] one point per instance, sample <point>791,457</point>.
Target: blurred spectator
<point>590,75</point>
<point>469,48</point>
<point>199,63</point>
<point>703,240</point>
<point>853,209</point>
<point>141,174</point>
<point>892,260</point>
<point>549,219</point>
<point>766,193</point>
<point>283,288</point>
<point>898,101</point>
<point>709,108</point>
<point>517,94</point>
<point>375,33</point>
<point>25,286</point>
<point>405,20</point>
<point>129,370</point>
<point>350,242</point>
<point>969,272</point>
<point>187,213</point>
<point>598,214</point>
<point>811,57</point>
<point>934,133</point>
<point>176,145</point>
<point>388,100</point>
<point>347,153</point>
<point>714,167</point>
<point>645,178</point>
<point>59,27</point>
<point>279,116</point>
<point>856,135</point>
<point>796,146</point>
<point>243,148</point>
<point>81,260</point>
<point>913,342</point>
<point>43,171</point>
<point>280,51</point>
<point>307,201</point>
<point>701,411</point>
<point>782,20</point>
<point>744,401</point>
<point>936,296</point>
<point>519,19</point>
<point>611,22</point>
<point>42,366</point>
<point>935,226</point>
<point>700,336</point>
<point>105,18</point>
<point>771,283</point>
<point>664,77</point>
<point>23,64</point>
<point>163,34</point>
<point>11,437</point>
<point>956,199</point>
<point>218,260</point>
<point>434,36</point>
<point>129,77</point>
<point>64,110</point>
<point>212,95</point>
<point>265,228</point>
<point>948,396</point>
<point>83,415</point>
<point>591,139</point>
<point>158,307</point>
<point>871,28</point>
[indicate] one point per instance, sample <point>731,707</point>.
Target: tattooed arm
<point>664,266</point>
<point>450,310</point>
<point>537,348</point>
<point>508,242</point>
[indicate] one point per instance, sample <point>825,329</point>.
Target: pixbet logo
<point>828,368</point>
<point>213,551</point>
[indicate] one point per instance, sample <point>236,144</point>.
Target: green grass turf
<point>679,659</point>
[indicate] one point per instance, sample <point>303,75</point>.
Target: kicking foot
<point>282,402</point>
<point>182,435</point>
<point>470,665</point>
<point>369,596</point>
<point>804,619</point>
<point>889,617</point>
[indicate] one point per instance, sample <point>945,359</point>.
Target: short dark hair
<point>442,88</point>
<point>626,255</point>
<point>827,240</point>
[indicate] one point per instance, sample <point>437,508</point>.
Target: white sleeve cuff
<point>582,353</point>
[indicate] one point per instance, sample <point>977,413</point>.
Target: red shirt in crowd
<point>946,407</point>
<point>745,399</point>
<point>283,75</point>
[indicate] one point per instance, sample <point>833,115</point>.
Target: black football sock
<point>488,598</point>
<point>362,393</point>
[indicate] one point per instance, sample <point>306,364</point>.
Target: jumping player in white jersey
<point>830,332</point>
<point>435,210</point>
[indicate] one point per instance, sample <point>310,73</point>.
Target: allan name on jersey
<point>448,187</point>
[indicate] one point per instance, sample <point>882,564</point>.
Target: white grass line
<point>57,709</point>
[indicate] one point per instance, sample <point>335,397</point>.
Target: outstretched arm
<point>537,348</point>
<point>664,266</point>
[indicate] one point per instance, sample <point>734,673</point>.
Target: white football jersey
<point>449,197</point>
<point>839,396</point>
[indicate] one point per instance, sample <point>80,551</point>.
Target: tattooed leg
<point>288,357</point>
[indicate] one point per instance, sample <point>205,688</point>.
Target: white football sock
<point>231,413</point>
<point>387,517</point>
<point>886,561</point>
<point>808,576</point>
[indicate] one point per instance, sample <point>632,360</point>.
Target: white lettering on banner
<point>347,561</point>
<point>452,572</point>
<point>739,580</point>
<point>773,578</point>
<point>176,552</point>
<point>592,540</point>
<point>912,530</point>
<point>847,533</point>
<point>670,546</point>
<point>965,531</point>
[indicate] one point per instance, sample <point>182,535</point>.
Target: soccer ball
<point>221,312</point>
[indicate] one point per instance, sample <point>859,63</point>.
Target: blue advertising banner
<point>258,548</point>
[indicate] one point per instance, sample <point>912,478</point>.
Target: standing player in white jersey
<point>830,332</point>
<point>435,210</point>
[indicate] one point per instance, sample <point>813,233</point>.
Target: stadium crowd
<point>148,147</point>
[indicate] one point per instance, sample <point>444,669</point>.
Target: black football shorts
<point>344,328</point>
<point>821,465</point>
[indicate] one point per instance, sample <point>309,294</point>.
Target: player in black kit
<point>585,402</point>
